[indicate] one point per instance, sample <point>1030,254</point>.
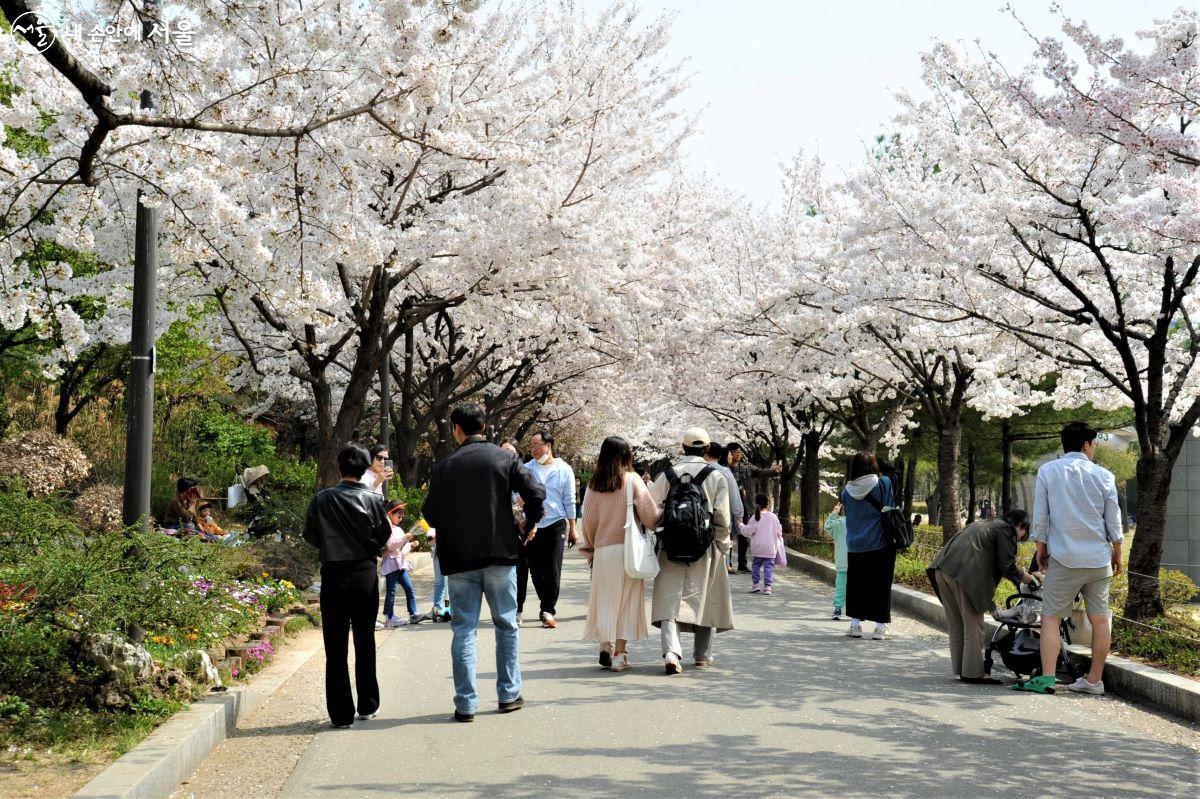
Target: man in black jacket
<point>470,505</point>
<point>347,522</point>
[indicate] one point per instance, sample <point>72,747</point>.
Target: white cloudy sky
<point>777,75</point>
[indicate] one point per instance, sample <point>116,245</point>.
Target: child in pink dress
<point>766,537</point>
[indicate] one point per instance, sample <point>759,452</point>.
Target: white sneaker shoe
<point>1082,686</point>
<point>855,630</point>
<point>881,633</point>
<point>378,625</point>
<point>621,662</point>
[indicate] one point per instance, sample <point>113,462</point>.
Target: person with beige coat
<point>694,597</point>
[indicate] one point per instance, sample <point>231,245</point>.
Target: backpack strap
<point>703,473</point>
<point>877,504</point>
<point>672,477</point>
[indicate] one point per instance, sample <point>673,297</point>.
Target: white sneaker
<point>855,630</point>
<point>394,622</point>
<point>881,633</point>
<point>378,625</point>
<point>621,662</point>
<point>518,621</point>
<point>1082,686</point>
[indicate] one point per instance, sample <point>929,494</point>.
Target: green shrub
<point>296,624</point>
<point>1175,587</point>
<point>1173,645</point>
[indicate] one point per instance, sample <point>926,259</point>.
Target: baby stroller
<point>1018,640</point>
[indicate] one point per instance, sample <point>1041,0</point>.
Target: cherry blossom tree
<point>1063,210</point>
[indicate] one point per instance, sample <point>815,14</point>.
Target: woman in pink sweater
<point>617,604</point>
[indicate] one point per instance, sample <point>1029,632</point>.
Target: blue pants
<point>839,590</point>
<point>467,589</point>
<point>439,583</point>
<point>389,599</point>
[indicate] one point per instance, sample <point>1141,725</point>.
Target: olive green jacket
<point>981,555</point>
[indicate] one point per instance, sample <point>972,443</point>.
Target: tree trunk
<point>784,506</point>
<point>1006,468</point>
<point>948,479</point>
<point>972,493</point>
<point>910,484</point>
<point>1153,488</point>
<point>810,486</point>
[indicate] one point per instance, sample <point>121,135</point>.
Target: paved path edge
<point>155,768</point>
<point>1162,690</point>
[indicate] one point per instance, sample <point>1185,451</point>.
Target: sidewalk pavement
<point>792,708</point>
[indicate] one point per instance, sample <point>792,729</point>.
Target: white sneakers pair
<point>1082,686</point>
<point>880,632</point>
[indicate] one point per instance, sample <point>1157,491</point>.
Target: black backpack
<point>687,529</point>
<point>897,529</point>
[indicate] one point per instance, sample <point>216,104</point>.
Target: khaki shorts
<point>1063,583</point>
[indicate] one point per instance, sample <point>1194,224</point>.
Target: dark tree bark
<point>810,485</point>
<point>971,487</point>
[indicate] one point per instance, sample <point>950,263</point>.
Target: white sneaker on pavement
<point>1082,686</point>
<point>855,630</point>
<point>881,633</point>
<point>378,625</point>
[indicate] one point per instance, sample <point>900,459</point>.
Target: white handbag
<point>641,562</point>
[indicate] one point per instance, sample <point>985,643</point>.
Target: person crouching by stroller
<point>965,574</point>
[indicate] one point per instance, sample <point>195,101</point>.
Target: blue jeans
<point>439,584</point>
<point>467,589</point>
<point>389,599</point>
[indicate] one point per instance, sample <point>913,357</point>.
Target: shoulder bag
<point>641,563</point>
<point>897,529</point>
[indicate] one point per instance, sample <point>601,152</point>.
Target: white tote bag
<point>640,561</point>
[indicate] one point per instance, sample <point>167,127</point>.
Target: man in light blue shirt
<point>1077,526</point>
<point>544,546</point>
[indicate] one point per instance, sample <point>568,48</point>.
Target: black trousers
<point>743,545</point>
<point>869,578</point>
<point>542,559</point>
<point>349,602</point>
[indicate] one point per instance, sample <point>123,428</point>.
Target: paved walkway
<point>793,708</point>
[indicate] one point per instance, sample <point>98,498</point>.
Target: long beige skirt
<point>617,603</point>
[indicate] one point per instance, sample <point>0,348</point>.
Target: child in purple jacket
<point>766,537</point>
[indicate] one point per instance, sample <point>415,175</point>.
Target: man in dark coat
<point>470,506</point>
<point>349,525</point>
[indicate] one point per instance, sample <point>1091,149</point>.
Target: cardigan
<point>604,515</point>
<point>978,557</point>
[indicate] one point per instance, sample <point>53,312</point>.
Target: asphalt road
<point>792,708</point>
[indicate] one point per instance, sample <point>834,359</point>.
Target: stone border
<point>155,768</point>
<point>1159,689</point>
<point>169,755</point>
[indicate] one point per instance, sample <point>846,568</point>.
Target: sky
<point>773,76</point>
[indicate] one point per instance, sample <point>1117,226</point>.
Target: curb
<point>1159,689</point>
<point>155,767</point>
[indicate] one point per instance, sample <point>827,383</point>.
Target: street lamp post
<point>139,393</point>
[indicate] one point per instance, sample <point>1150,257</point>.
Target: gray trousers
<point>701,647</point>
<point>965,626</point>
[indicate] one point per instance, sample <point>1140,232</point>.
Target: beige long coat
<point>696,594</point>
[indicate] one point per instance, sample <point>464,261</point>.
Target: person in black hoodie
<point>470,505</point>
<point>348,524</point>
